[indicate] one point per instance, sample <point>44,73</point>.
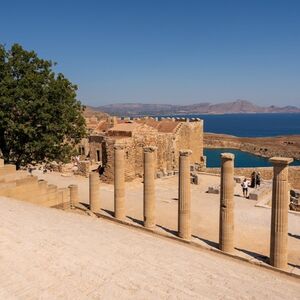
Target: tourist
<point>258,179</point>
<point>245,184</point>
<point>253,179</point>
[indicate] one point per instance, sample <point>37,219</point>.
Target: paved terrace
<point>252,224</point>
<point>52,254</point>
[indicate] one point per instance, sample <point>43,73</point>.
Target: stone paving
<point>52,254</point>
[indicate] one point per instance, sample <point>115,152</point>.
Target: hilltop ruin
<point>169,135</point>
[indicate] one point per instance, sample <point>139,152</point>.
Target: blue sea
<point>251,125</point>
<point>248,125</point>
<point>242,159</point>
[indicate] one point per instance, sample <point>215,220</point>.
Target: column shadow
<point>255,255</point>
<point>295,266</point>
<point>110,212</point>
<point>173,232</point>
<point>296,236</point>
<point>87,206</point>
<point>208,242</point>
<point>136,220</point>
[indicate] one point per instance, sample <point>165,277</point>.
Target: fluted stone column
<point>149,188</point>
<point>279,215</point>
<point>184,195</point>
<point>119,182</point>
<point>226,223</point>
<point>94,192</point>
<point>74,198</point>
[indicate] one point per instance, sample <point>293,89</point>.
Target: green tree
<point>40,118</point>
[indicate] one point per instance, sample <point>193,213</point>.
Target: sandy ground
<point>252,224</point>
<point>52,254</point>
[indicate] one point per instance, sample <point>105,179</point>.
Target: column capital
<point>185,152</point>
<point>280,160</point>
<point>150,149</point>
<point>229,156</point>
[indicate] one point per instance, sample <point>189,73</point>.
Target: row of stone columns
<point>278,244</point>
<point>279,210</point>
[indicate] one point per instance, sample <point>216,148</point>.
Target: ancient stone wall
<point>83,148</point>
<point>129,154</point>
<point>166,159</point>
<point>135,136</point>
<point>96,148</point>
<point>189,135</point>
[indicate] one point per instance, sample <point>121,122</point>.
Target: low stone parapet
<point>19,185</point>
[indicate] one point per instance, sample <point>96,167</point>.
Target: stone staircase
<point>22,186</point>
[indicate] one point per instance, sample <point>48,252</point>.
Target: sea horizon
<point>249,124</point>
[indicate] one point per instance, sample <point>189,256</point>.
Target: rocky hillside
<point>90,112</point>
<point>238,106</point>
<point>263,146</point>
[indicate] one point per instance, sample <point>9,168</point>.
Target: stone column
<point>64,198</point>
<point>226,222</point>
<point>94,192</point>
<point>149,188</point>
<point>279,214</point>
<point>119,182</point>
<point>184,195</point>
<point>74,198</point>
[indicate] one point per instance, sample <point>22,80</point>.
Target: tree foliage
<point>40,117</point>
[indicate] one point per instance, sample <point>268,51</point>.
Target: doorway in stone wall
<point>98,155</point>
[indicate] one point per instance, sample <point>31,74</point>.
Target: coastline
<point>285,145</point>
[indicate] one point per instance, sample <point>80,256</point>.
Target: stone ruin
<point>295,200</point>
<point>22,186</point>
<point>279,210</point>
<point>169,135</point>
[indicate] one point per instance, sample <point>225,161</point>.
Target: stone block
<point>197,179</point>
<point>213,190</point>
<point>27,180</point>
<point>1,162</point>
<point>238,179</point>
<point>253,196</point>
<point>7,169</point>
<point>159,175</point>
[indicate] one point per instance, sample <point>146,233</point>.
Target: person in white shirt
<point>245,184</point>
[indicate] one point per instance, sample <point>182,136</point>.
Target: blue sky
<point>165,51</point>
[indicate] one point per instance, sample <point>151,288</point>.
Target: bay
<point>242,159</point>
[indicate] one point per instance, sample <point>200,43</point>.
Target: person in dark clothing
<point>253,179</point>
<point>258,179</point>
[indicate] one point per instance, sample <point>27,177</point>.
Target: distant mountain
<point>238,106</point>
<point>93,112</point>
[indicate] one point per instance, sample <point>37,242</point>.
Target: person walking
<point>245,185</point>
